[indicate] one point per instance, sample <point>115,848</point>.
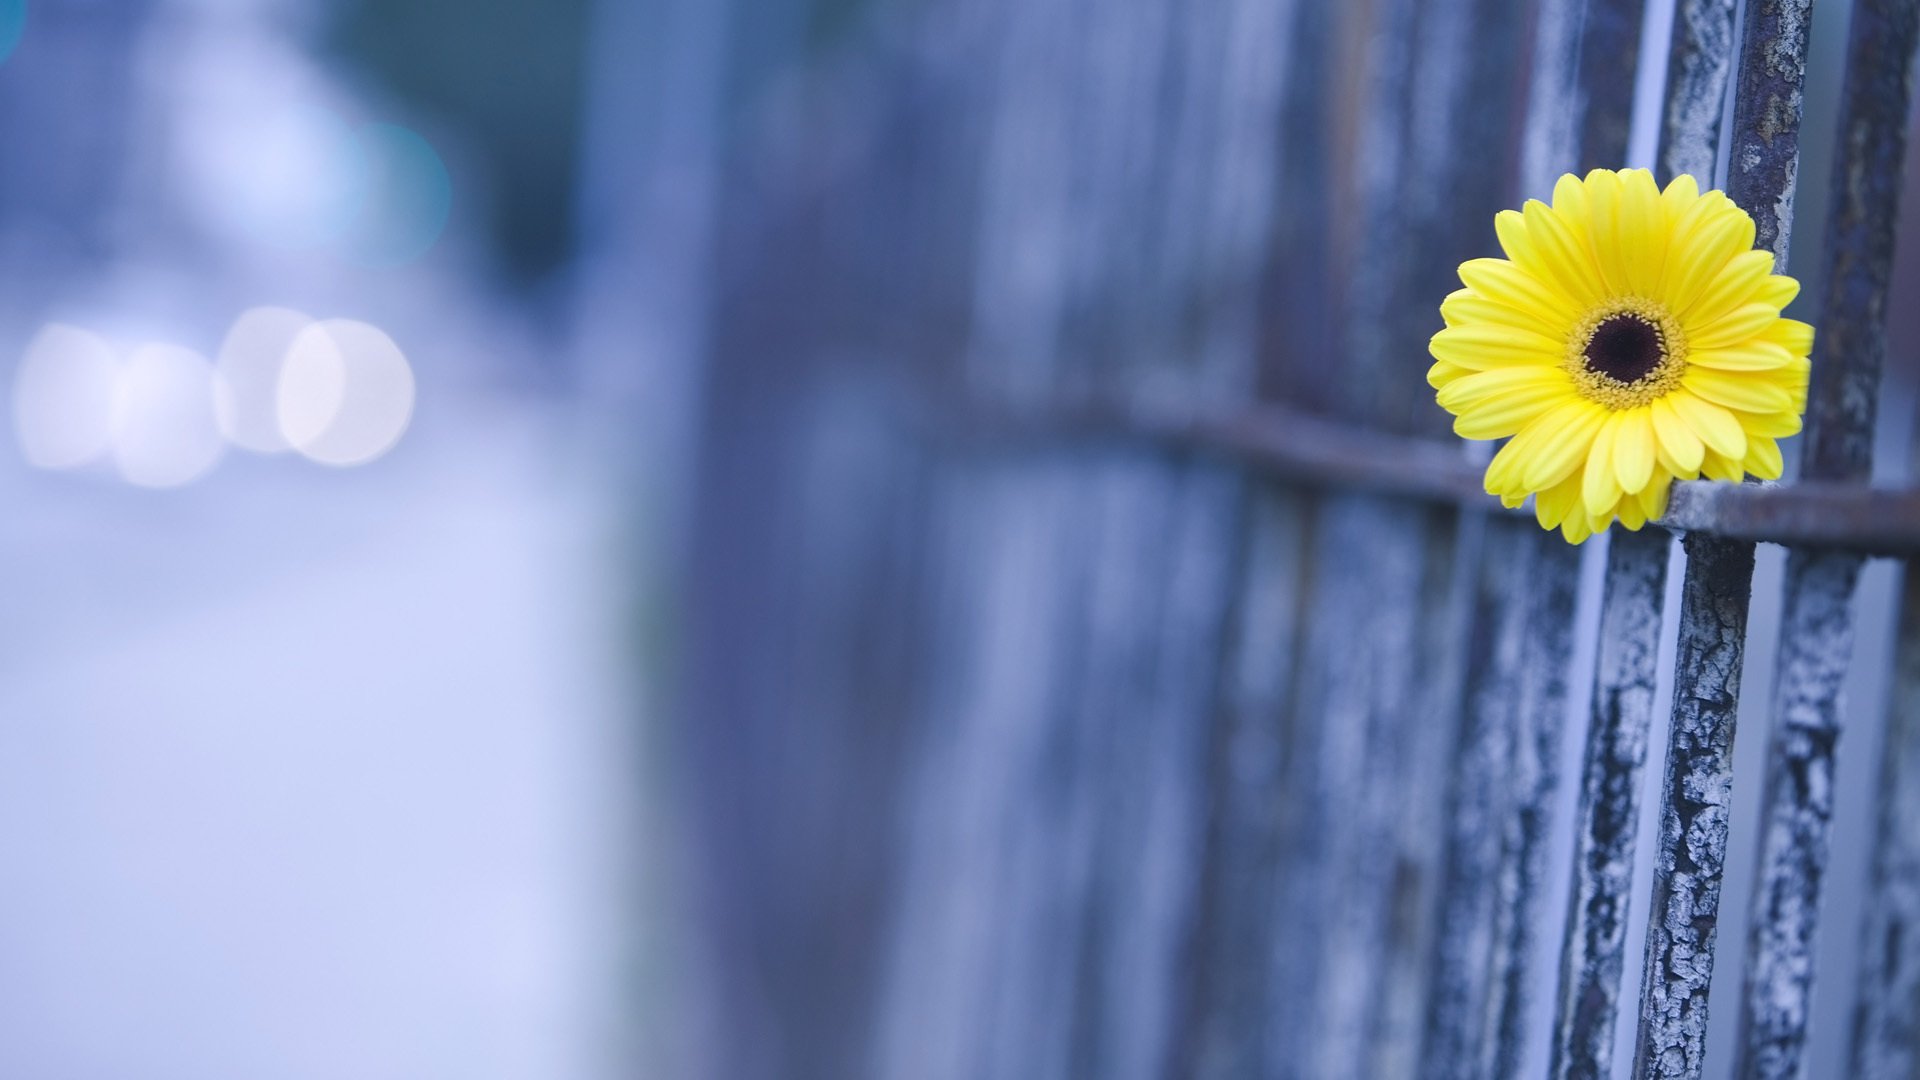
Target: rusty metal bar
<point>1817,631</point>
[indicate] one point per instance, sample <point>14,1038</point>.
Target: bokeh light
<point>289,176</point>
<point>63,397</point>
<point>247,391</point>
<point>409,196</point>
<point>164,431</point>
<point>346,393</point>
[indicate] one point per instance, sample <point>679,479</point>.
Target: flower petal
<point>1565,436</point>
<point>1653,501</point>
<point>1633,449</point>
<point>1726,470</point>
<point>1737,283</point>
<point>1770,425</point>
<point>1464,307</point>
<point>1642,235</point>
<point>1503,408</point>
<point>1505,283</point>
<point>1551,507</point>
<point>1778,290</point>
<point>1715,425</point>
<point>1712,231</point>
<point>1678,443</point>
<point>1794,335</point>
<point>1483,345</point>
<point>1744,392</point>
<point>1736,327</point>
<point>1753,355</point>
<point>1763,459</point>
<point>1604,209</point>
<point>1600,486</point>
<point>1681,193</point>
<point>1564,253</point>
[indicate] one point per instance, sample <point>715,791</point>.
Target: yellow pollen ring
<point>1614,393</point>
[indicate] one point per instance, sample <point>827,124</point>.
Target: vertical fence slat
<point>1699,66</point>
<point>1545,692</point>
<point>1610,804</point>
<point>1690,856</point>
<point>1590,961</point>
<point>1886,1023</point>
<point>1695,797</point>
<point>1817,627</point>
<point>1478,805</point>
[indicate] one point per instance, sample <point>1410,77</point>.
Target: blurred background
<point>503,577</point>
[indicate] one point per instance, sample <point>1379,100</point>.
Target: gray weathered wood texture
<point>1817,631</point>
<point>1099,660</point>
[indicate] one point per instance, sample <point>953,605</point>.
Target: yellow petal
<point>1681,193</point>
<point>1633,449</point>
<point>1711,232</point>
<point>1643,233</point>
<point>1795,378</point>
<point>1715,425</point>
<point>1483,345</point>
<point>1464,307</point>
<point>1778,290</point>
<point>1653,501</point>
<point>1747,393</point>
<point>1737,283</point>
<point>1763,458</point>
<point>1770,425</point>
<point>1600,487</point>
<point>1564,253</point>
<point>1550,507</point>
<point>1629,512</point>
<point>1500,415</point>
<point>1482,387</point>
<point>1505,283</point>
<point>1794,335</point>
<point>1565,436</point>
<point>1604,198</point>
<point>1678,444</point>
<point>1576,529</point>
<point>1442,373</point>
<point>1736,327</point>
<point>1755,355</point>
<point>1720,468</point>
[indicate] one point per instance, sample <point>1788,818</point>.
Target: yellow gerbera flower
<point>1630,338</point>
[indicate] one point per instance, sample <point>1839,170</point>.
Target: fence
<point>1099,660</point>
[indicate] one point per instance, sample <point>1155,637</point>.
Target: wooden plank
<point>1886,1023</point>
<point>1545,693</point>
<point>1696,795</point>
<point>1479,806</point>
<point>1593,956</point>
<point>1690,849</point>
<point>1817,628</point>
<point>1233,942</point>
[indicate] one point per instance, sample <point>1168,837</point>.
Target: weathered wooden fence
<point>1099,659</point>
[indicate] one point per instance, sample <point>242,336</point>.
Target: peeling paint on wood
<point>1816,640</point>
<point>1699,66</point>
<point>1595,947</point>
<point>1886,1022</point>
<point>1695,799</point>
<point>1545,693</point>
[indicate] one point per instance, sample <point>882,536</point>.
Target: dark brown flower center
<point>1625,348</point>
